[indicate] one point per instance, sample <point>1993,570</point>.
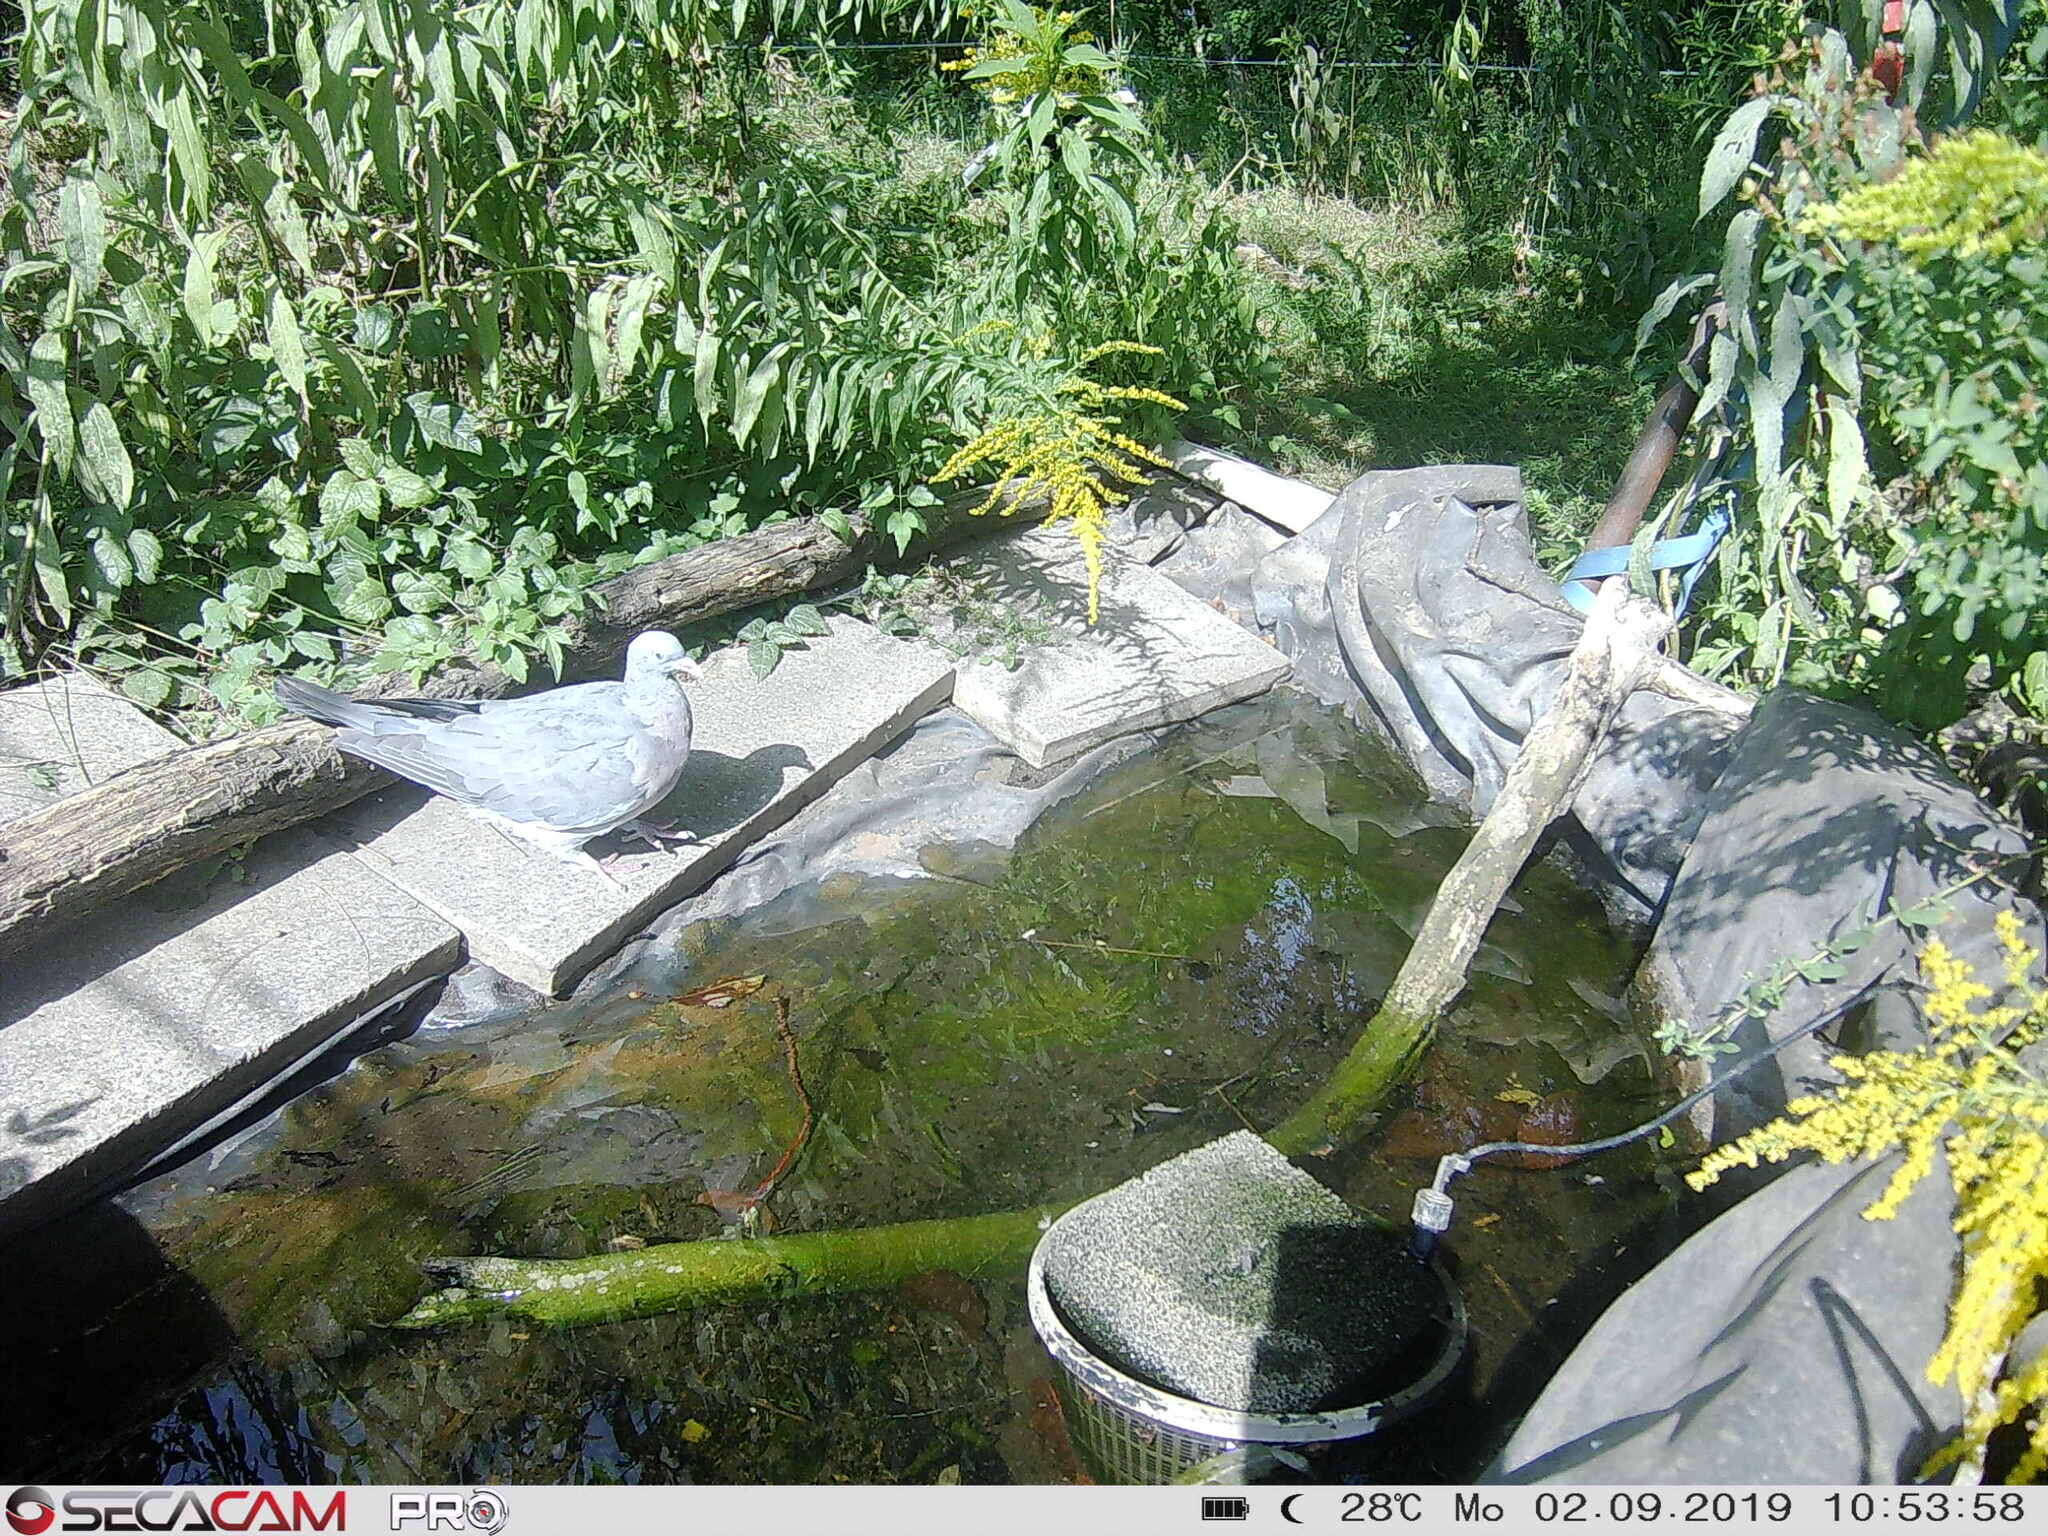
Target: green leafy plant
<point>1808,582</point>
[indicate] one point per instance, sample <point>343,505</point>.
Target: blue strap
<point>1690,552</point>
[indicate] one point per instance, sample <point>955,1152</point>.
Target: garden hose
<point>1431,1213</point>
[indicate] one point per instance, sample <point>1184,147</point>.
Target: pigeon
<point>554,769</point>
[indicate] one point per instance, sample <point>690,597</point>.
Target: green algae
<point>984,1042</point>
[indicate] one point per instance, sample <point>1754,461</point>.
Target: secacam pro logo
<point>31,1511</point>
<point>478,1510</point>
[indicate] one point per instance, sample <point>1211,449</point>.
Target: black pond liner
<point>1131,1431</point>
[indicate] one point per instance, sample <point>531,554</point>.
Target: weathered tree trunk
<point>96,846</point>
<point>1616,653</point>
<point>566,1293</point>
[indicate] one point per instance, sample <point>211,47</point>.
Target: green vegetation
<point>355,334</point>
<point>1870,402</point>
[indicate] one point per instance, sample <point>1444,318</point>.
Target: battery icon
<point>1216,1508</point>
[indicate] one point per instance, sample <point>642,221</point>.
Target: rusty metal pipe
<point>1656,446</point>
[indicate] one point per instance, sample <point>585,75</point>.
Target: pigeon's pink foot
<point>661,838</point>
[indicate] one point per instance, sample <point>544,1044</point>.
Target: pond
<point>1183,949</point>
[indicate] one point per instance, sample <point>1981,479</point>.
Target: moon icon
<point>1288,1514</point>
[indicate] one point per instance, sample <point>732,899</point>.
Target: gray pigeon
<point>554,769</point>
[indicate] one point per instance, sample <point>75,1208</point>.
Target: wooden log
<point>1617,652</point>
<point>88,849</point>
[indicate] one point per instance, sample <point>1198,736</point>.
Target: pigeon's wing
<point>574,758</point>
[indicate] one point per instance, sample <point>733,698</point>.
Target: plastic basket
<point>1128,1431</point>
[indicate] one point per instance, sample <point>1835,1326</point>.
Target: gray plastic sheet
<point>1787,1342</point>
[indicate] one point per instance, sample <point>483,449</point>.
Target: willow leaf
<point>287,343</point>
<point>1733,152</point>
<point>82,221</point>
<point>48,389</point>
<point>104,470</point>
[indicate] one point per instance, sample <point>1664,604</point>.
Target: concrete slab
<point>132,1029</point>
<point>65,734</point>
<point>761,750</point>
<point>1157,654</point>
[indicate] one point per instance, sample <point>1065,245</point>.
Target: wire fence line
<point>1192,61</point>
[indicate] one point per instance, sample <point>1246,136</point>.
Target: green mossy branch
<point>606,1288</point>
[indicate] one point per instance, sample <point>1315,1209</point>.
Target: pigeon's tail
<point>324,704</point>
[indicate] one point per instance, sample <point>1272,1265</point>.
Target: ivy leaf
<point>469,558</point>
<point>837,521</point>
<point>366,602</point>
<point>377,328</point>
<point>346,499</point>
<point>763,656</point>
<point>404,488</point>
<point>147,551</point>
<point>805,619</point>
<point>444,423</point>
<point>903,525</point>
<point>111,556</point>
<point>359,456</point>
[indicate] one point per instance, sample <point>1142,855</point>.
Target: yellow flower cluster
<point>1064,449</point>
<point>1967,1092</point>
<point>1044,45</point>
<point>1977,194</point>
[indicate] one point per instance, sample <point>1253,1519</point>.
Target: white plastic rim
<point>1199,1418</point>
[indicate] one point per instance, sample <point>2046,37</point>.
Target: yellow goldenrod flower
<point>1976,194</point>
<point>1965,1093</point>
<point>1064,448</point>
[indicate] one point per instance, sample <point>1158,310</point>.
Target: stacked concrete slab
<point>1156,655</point>
<point>121,1035</point>
<point>127,1031</point>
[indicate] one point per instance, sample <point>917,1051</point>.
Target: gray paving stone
<point>132,1029</point>
<point>1157,654</point>
<point>761,750</point>
<point>66,734</point>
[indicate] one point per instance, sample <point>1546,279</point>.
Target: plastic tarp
<point>1786,1342</point>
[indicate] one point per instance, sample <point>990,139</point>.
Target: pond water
<point>1184,949</point>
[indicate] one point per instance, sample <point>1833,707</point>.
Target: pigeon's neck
<point>659,701</point>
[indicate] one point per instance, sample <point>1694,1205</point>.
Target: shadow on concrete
<point>718,792</point>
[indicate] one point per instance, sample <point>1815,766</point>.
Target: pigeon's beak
<point>684,670</point>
